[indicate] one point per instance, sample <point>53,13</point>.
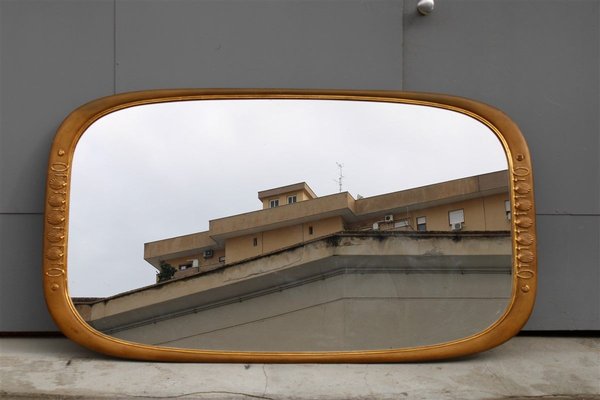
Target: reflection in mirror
<point>289,225</point>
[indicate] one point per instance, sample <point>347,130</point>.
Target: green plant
<point>166,272</point>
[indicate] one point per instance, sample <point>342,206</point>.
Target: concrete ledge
<point>523,368</point>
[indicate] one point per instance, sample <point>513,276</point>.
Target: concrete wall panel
<point>55,56</point>
<point>22,306</point>
<point>259,43</point>
<point>569,274</point>
<point>538,62</point>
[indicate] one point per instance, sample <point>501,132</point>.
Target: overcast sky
<point>156,171</point>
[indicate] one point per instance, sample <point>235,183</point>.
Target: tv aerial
<point>340,176</point>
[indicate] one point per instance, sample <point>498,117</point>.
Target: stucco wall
<point>480,214</point>
<point>243,247</point>
<point>344,312</point>
<point>301,195</point>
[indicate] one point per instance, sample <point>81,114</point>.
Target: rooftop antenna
<point>339,179</point>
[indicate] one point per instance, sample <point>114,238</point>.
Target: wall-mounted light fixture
<point>425,6</point>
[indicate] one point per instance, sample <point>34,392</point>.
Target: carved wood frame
<point>524,276</point>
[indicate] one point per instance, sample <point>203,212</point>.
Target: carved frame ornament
<point>55,269</point>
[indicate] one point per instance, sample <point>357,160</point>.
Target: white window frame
<point>292,199</point>
<point>273,203</point>
<point>422,221</point>
<point>183,267</point>
<point>456,216</point>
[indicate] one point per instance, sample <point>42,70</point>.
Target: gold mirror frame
<point>56,222</point>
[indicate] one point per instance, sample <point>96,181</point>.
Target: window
<point>183,267</point>
<point>274,203</point>
<point>507,209</point>
<point>310,230</point>
<point>421,224</point>
<point>402,223</point>
<point>456,217</point>
<point>189,264</point>
<point>291,199</point>
<point>255,242</point>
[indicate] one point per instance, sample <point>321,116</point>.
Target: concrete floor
<point>524,368</point>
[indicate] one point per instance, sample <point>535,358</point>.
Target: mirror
<point>278,224</point>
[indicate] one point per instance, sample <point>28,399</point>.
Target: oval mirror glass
<point>289,225</point>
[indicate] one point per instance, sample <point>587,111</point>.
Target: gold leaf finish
<point>524,222</point>
<point>55,235</point>
<point>55,269</point>
<point>57,182</point>
<point>525,239</point>
<point>55,253</point>
<point>55,218</point>
<point>57,200</point>
<point>525,256</point>
<point>55,272</point>
<point>522,188</point>
<point>523,205</point>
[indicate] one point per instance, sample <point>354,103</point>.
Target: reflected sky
<point>157,171</point>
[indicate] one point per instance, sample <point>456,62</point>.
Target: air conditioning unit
<point>375,226</point>
<point>389,218</point>
<point>208,253</point>
<point>457,226</point>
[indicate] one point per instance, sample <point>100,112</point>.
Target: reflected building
<point>293,214</point>
<point>329,273</point>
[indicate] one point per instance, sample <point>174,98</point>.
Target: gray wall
<point>538,61</point>
<point>352,310</point>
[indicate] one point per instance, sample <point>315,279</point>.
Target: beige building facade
<point>346,291</point>
<point>294,214</point>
